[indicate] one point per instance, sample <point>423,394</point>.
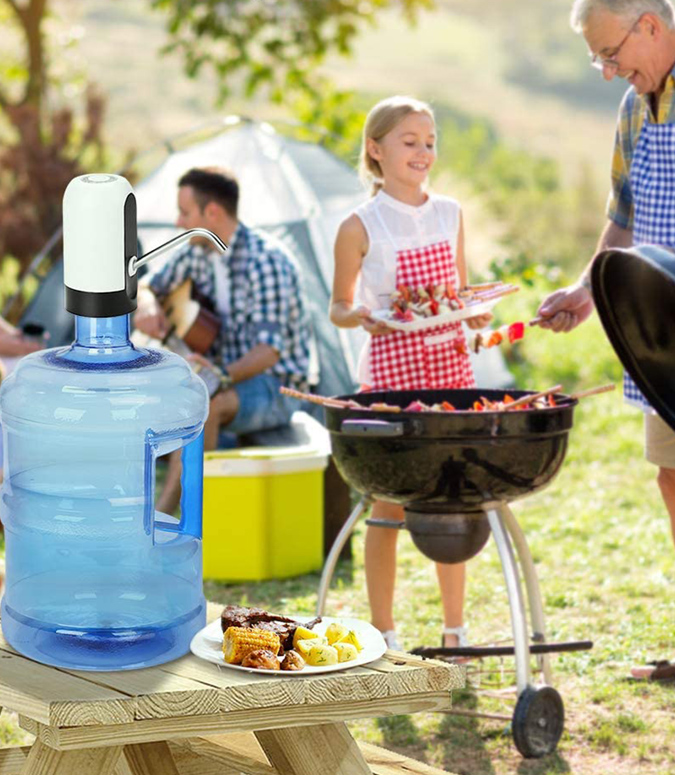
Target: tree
<point>276,45</point>
<point>43,147</point>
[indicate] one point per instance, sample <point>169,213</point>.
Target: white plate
<point>208,644</point>
<point>451,316</point>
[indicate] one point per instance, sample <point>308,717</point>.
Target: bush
<point>542,218</point>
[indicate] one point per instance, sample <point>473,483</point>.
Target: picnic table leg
<point>150,759</point>
<point>43,760</point>
<point>329,749</point>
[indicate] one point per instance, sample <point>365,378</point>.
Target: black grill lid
<point>634,293</point>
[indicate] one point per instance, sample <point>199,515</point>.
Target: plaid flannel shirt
<point>266,300</point>
<point>631,119</point>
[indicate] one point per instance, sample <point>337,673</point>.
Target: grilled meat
<point>283,626</point>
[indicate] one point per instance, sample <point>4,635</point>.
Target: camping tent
<point>297,190</point>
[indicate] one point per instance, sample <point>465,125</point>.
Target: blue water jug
<point>96,578</point>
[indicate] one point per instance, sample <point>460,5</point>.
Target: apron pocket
<point>444,366</point>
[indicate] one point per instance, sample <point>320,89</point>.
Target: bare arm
<point>256,361</point>
<point>565,309</point>
<point>461,259</point>
<point>480,321</point>
<point>351,245</point>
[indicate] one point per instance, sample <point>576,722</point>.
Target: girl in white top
<point>402,236</point>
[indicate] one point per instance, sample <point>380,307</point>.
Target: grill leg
<point>513,588</point>
<point>532,587</point>
<point>336,548</point>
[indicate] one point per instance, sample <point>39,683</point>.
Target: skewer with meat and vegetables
<point>541,400</point>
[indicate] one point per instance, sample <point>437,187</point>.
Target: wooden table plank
<point>239,690</point>
<point>328,748</point>
<point>255,719</point>
<point>393,675</point>
<point>13,759</point>
<point>190,686</point>
<point>159,694</point>
<point>436,674</point>
<point>150,759</point>
<point>51,696</point>
<point>190,763</point>
<point>384,762</point>
<point>43,760</point>
<point>238,752</point>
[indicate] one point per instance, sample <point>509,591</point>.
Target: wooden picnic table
<point>192,717</point>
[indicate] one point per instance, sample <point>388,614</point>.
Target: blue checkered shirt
<point>266,300</point>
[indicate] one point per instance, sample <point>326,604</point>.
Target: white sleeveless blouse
<point>391,226</point>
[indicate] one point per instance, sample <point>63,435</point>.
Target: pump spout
<point>134,262</point>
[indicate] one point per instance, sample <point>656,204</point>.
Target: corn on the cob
<point>240,641</point>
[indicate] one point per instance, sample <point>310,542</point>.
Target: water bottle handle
<point>192,478</point>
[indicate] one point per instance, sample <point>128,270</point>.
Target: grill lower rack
<point>477,652</point>
<point>538,719</point>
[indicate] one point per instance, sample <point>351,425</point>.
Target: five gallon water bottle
<point>96,578</point>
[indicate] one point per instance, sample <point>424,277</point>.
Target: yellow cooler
<point>263,513</point>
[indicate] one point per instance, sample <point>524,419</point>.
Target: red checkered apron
<point>422,360</point>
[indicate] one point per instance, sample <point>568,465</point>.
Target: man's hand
<point>149,317</point>
<point>565,309</point>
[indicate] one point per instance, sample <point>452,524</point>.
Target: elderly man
<point>256,290</point>
<point>635,40</point>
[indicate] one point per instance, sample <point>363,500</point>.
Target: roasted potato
<point>322,654</point>
<point>302,633</point>
<point>335,632</point>
<point>353,638</point>
<point>345,651</point>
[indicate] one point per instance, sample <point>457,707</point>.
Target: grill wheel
<point>538,721</point>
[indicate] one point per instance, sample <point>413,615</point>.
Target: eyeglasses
<point>600,63</point>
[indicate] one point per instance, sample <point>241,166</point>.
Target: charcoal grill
<point>455,473</point>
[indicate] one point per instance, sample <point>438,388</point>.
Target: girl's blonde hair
<point>382,118</point>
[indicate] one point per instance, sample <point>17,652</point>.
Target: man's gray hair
<point>626,9</point>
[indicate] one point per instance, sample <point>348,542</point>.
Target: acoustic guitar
<point>192,329</point>
<point>191,322</point>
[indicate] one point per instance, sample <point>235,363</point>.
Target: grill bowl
<point>448,462</point>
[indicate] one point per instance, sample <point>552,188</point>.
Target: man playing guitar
<point>255,288</point>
